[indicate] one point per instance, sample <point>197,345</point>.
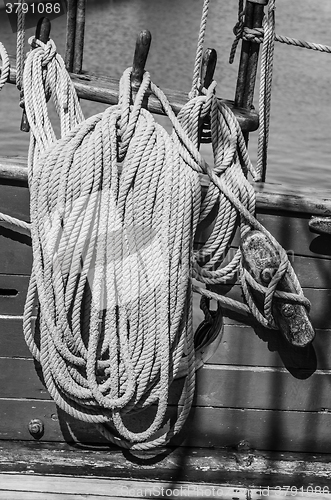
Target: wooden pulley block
<point>262,260</point>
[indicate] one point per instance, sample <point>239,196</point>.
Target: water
<point>300,135</point>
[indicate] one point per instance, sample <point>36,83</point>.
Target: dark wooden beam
<point>105,89</point>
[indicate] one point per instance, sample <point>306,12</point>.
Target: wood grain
<point>269,197</point>
<point>206,427</point>
<point>105,89</point>
<point>228,386</point>
<point>173,465</point>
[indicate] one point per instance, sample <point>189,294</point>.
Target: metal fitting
<point>36,428</point>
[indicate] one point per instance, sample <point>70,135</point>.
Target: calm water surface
<point>300,142</point>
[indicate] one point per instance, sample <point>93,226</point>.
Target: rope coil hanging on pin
<point>115,203</point>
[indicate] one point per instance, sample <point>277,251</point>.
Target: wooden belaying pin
<point>42,33</point>
<point>208,66</point>
<point>139,59</point>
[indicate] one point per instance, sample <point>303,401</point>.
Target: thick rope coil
<point>114,207</point>
<point>115,248</point>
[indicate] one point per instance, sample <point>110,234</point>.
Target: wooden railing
<point>269,197</point>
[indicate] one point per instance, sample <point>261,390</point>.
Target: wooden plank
<point>15,251</point>
<point>294,235</point>
<point>12,343</point>
<point>270,198</point>
<point>227,386</point>
<point>245,345</point>
<point>240,345</point>
<point>106,89</point>
<point>112,487</point>
<point>15,201</point>
<point>209,427</point>
<point>176,467</point>
<point>13,290</point>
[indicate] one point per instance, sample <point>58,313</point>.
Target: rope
<point>199,52</point>
<point>267,36</point>
<point>20,41</point>
<point>256,35</point>
<point>114,207</point>
<point>115,248</point>
<point>265,88</point>
<point>5,70</point>
<point>5,66</point>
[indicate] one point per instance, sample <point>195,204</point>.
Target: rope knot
<point>129,112</point>
<point>255,35</point>
<point>48,48</point>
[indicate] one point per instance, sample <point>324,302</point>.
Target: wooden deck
<point>33,471</point>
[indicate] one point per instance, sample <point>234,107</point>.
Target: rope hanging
<point>5,66</point>
<point>115,203</point>
<point>112,254</point>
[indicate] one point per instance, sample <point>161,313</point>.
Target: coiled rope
<point>112,253</point>
<point>114,207</point>
<point>115,203</point>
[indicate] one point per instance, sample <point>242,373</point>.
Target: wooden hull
<point>255,388</point>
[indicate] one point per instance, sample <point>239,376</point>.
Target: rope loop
<point>48,49</point>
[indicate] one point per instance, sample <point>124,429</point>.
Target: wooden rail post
<point>75,35</point>
<point>208,66</point>
<point>70,35</point>
<point>143,44</point>
<point>249,56</point>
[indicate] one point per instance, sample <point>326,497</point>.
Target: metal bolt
<point>36,428</point>
<point>287,310</point>
<point>267,274</point>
